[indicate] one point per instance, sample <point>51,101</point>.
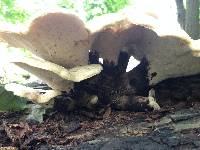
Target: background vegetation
<point>9,12</point>
<point>188,10</point>
<point>94,8</point>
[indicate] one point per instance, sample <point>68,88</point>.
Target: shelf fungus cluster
<point>68,50</point>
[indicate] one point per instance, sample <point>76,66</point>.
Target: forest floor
<point>175,126</point>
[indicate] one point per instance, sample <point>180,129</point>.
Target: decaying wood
<point>109,89</point>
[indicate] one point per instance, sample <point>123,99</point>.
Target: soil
<point>173,127</point>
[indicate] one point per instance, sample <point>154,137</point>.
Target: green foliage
<point>99,7</point>
<point>69,4</point>
<point>10,102</point>
<point>10,13</point>
<point>96,7</point>
<point>115,5</point>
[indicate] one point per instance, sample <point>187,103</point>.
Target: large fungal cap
<point>57,37</point>
<point>62,41</point>
<point>169,50</point>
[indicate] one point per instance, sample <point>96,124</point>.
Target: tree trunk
<point>192,18</point>
<point>181,13</point>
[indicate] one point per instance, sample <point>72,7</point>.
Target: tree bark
<point>192,18</point>
<point>181,13</point>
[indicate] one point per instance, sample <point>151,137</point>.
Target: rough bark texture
<point>174,131</point>
<point>181,13</point>
<point>179,89</point>
<point>192,18</point>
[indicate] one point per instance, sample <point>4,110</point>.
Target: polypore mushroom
<point>60,38</point>
<point>62,41</point>
<point>169,50</point>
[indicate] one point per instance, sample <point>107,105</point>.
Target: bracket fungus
<point>169,50</point>
<point>63,41</point>
<point>60,41</point>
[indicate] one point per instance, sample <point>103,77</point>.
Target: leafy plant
<point>115,5</point>
<point>10,102</point>
<point>69,4</point>
<point>97,8</point>
<point>10,13</point>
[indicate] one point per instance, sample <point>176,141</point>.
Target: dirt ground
<point>173,127</point>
